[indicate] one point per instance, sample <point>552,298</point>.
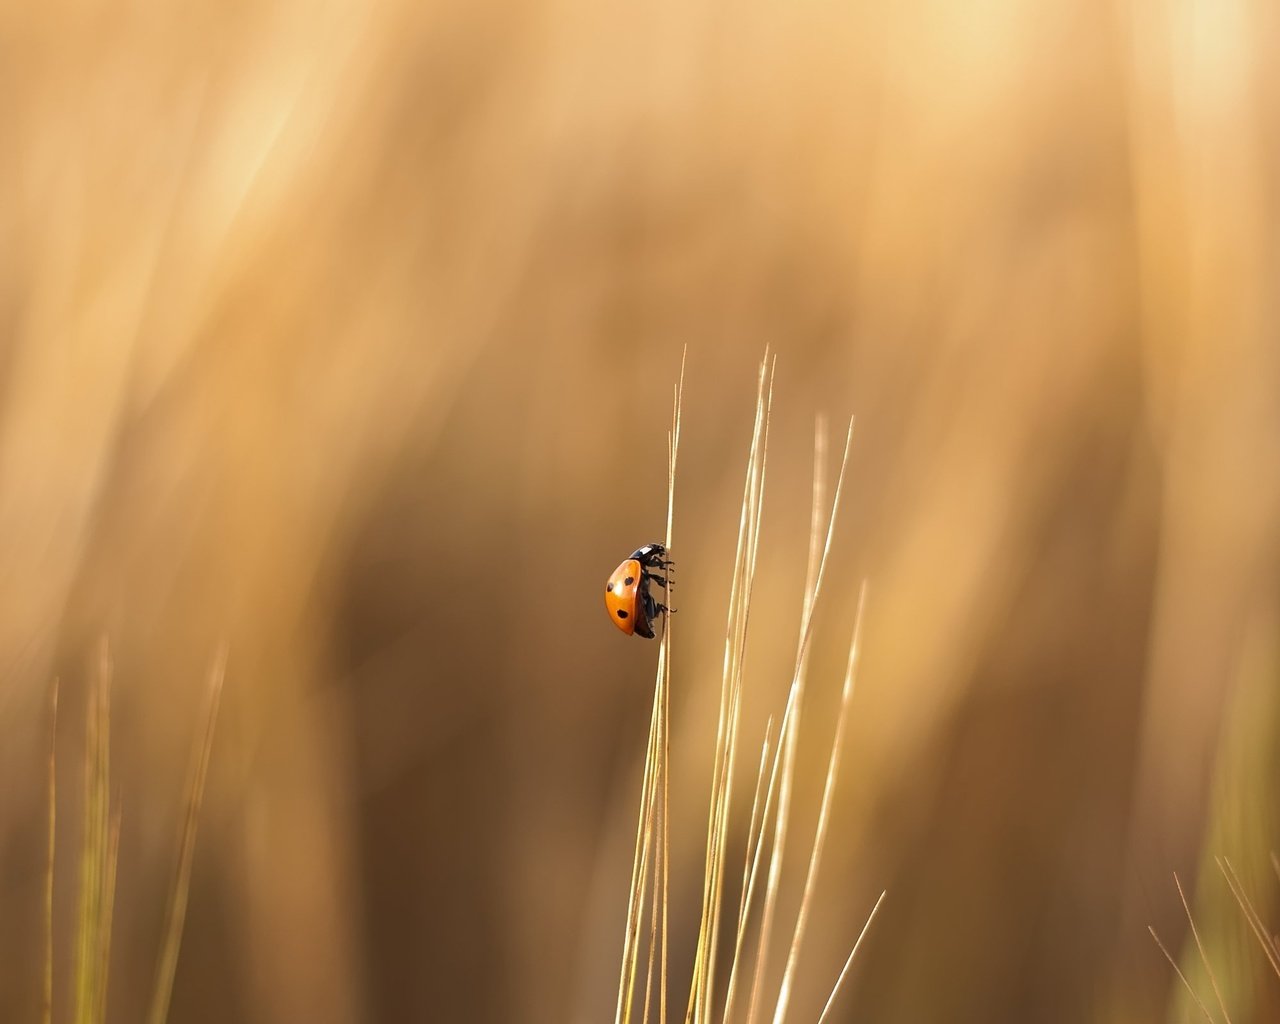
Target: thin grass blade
<point>652,845</point>
<point>1250,914</point>
<point>738,619</point>
<point>1182,977</point>
<point>93,927</point>
<point>788,741</point>
<point>824,815</point>
<point>852,953</point>
<point>1204,957</point>
<point>179,891</point>
<point>46,1000</point>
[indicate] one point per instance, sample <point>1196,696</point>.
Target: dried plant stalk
<point>767,830</point>
<point>179,891</point>
<point>651,835</point>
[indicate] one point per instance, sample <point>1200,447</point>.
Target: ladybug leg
<point>653,607</point>
<point>662,581</point>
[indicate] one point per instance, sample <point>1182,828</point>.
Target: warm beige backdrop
<point>346,332</point>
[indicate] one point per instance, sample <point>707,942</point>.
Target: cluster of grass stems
<point>99,856</point>
<point>767,834</point>
<point>1269,942</point>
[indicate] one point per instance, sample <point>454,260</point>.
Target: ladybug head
<point>651,555</point>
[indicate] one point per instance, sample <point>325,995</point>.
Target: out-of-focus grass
<point>99,856</point>
<point>1247,1003</point>
<point>99,859</point>
<point>179,890</point>
<point>328,329</point>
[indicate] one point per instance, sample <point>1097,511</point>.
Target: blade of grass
<point>696,987</point>
<point>179,890</point>
<point>639,870</point>
<point>658,908</point>
<point>817,504</point>
<point>824,816</point>
<point>651,808</point>
<point>677,410</point>
<point>96,867</point>
<point>661,896</point>
<point>745,559</point>
<point>788,742</point>
<point>756,825</point>
<point>1250,914</point>
<point>1204,958</point>
<point>754,851</point>
<point>653,937</point>
<point>1182,977</point>
<point>46,1003</point>
<point>852,953</point>
<point>787,730</point>
<point>727,790</point>
<point>108,911</point>
<point>673,445</point>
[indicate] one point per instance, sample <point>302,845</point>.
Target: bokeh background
<point>346,333</point>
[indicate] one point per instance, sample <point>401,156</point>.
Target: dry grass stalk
<point>755,829</point>
<point>640,864</point>
<point>179,891</point>
<point>730,701</point>
<point>835,989</point>
<point>824,815</point>
<point>673,450</point>
<point>790,736</point>
<point>652,841</point>
<point>755,848</point>
<point>1204,958</point>
<point>1181,977</point>
<point>46,995</point>
<point>108,914</point>
<point>1269,945</point>
<point>767,829</point>
<point>98,854</point>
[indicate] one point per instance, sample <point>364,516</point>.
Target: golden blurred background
<point>346,333</point>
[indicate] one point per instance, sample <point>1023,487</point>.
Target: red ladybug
<point>626,596</point>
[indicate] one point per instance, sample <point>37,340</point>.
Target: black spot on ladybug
<point>609,588</point>
<point>621,614</point>
<point>629,580</point>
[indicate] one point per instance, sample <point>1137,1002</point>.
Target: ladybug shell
<point>622,597</point>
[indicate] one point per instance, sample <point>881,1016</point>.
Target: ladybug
<point>626,596</point>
